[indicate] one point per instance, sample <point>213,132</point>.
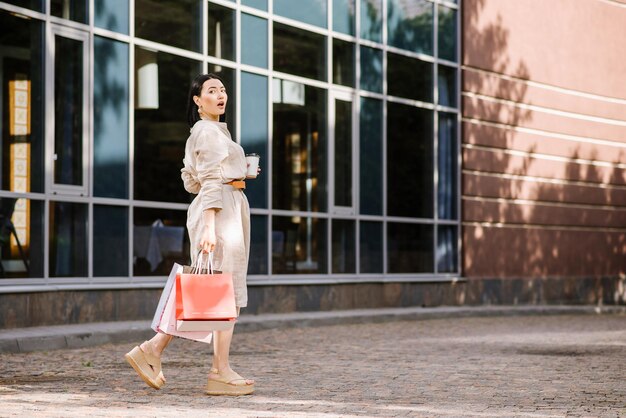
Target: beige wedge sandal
<point>147,366</point>
<point>229,383</point>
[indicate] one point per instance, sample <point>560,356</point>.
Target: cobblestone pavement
<point>547,366</point>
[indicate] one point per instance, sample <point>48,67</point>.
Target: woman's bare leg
<point>221,351</point>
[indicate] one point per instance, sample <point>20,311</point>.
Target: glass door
<point>67,124</point>
<point>342,153</point>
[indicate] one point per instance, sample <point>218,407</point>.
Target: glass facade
<point>353,106</point>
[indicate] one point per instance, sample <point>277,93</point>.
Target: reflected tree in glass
<point>371,20</point>
<point>447,33</point>
<point>410,25</point>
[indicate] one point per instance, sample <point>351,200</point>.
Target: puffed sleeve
<point>190,178</point>
<point>210,151</point>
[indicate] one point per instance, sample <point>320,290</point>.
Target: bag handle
<point>196,267</point>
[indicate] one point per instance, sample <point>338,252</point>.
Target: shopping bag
<point>165,294</point>
<point>205,296</point>
<point>169,324</point>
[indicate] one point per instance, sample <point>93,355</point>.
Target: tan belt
<point>237,184</point>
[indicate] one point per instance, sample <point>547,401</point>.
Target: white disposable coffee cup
<point>253,165</point>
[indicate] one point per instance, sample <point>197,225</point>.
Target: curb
<point>56,337</point>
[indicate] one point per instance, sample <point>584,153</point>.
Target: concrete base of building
<point>19,310</point>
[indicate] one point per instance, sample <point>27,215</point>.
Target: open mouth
<point>221,105</point>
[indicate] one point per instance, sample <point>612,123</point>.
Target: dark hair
<point>195,90</point>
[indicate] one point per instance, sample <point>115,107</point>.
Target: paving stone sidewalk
<point>531,366</point>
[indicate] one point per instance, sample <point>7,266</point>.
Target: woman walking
<point>218,221</point>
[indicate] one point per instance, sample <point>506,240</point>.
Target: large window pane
<point>160,239</point>
<point>447,249</point>
<point>172,22</point>
<point>69,87</point>
<point>259,4</point>
<point>299,153</point>
<point>258,245</point>
<point>343,246</point>
<point>343,153</point>
<point>409,161</point>
<point>410,248</point>
<point>255,132</point>
<point>21,104</point>
<point>298,245</point>
<point>21,238</point>
<point>371,157</point>
<point>110,241</point>
<point>448,166</point>
<point>253,40</point>
<point>161,87</point>
<point>447,33</point>
<point>409,77</point>
<point>410,25</point>
<point>343,62</point>
<point>110,156</point>
<point>307,11</point>
<point>371,247</point>
<point>343,16</point>
<point>222,32</point>
<point>299,52</point>
<point>447,86</point>
<point>111,15</point>
<point>70,9</point>
<point>371,69</point>
<point>29,4</point>
<point>68,239</point>
<point>371,20</point>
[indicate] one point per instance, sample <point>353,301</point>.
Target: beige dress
<point>212,158</point>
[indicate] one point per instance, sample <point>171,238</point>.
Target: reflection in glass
<point>28,4</point>
<point>255,132</point>
<point>110,241</point>
<point>258,245</point>
<point>160,125</point>
<point>410,168</point>
<point>22,146</point>
<point>447,249</point>
<point>253,40</point>
<point>371,246</point>
<point>172,22</point>
<point>159,240</point>
<point>307,11</point>
<point>111,15</point>
<point>343,62</point>
<point>259,4</point>
<point>410,248</point>
<point>343,246</point>
<point>299,52</point>
<point>371,69</point>
<point>448,163</point>
<point>75,10</point>
<point>410,25</point>
<point>21,238</point>
<point>371,20</point>
<point>409,77</point>
<point>68,111</point>
<point>298,245</point>
<point>371,157</point>
<point>343,16</point>
<point>110,84</point>
<point>446,33</point>
<point>447,86</point>
<point>68,239</point>
<point>228,77</point>
<point>222,32</point>
<point>299,153</point>
<point>343,153</point>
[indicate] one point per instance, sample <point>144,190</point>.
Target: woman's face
<point>212,99</point>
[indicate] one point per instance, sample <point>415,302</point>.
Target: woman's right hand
<point>208,239</point>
